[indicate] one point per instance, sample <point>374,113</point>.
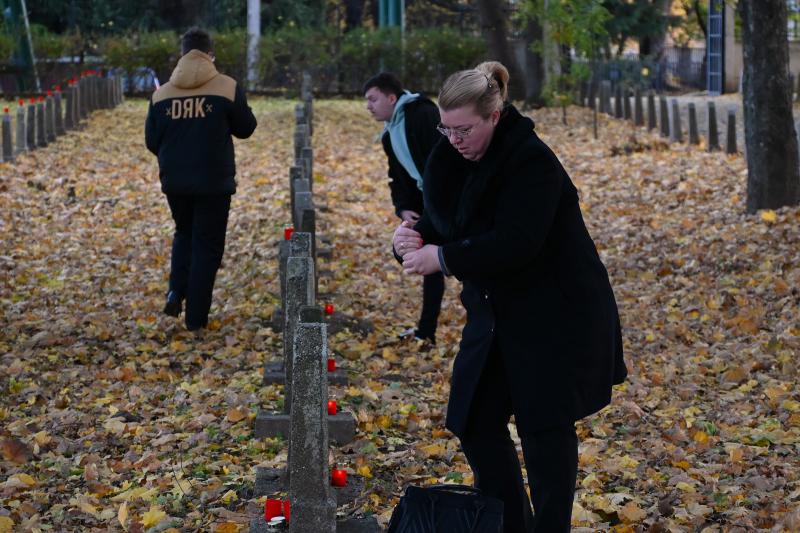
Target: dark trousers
<point>432,293</point>
<point>197,247</point>
<point>551,459</point>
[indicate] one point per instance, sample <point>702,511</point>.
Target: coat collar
<point>455,187</point>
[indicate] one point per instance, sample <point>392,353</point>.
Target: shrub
<point>339,63</point>
<point>230,49</point>
<point>157,50</point>
<point>6,47</point>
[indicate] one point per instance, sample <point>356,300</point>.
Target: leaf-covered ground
<point>112,417</point>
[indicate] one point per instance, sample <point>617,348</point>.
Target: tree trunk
<point>182,14</point>
<point>493,22</point>
<point>354,14</point>
<point>534,64</point>
<point>655,44</point>
<point>773,171</point>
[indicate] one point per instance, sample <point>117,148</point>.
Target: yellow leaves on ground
<point>228,527</point>
<point>15,450</point>
<point>116,410</point>
<point>21,481</point>
<point>153,517</point>
<point>6,525</point>
<point>631,512</point>
<point>768,215</point>
<point>122,515</point>
<point>228,497</point>
<point>237,414</point>
<point>432,450</point>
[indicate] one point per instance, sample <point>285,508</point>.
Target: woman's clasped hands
<point>418,258</point>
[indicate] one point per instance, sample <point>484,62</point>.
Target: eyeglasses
<point>459,134</point>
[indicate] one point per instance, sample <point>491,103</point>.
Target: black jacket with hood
<point>422,117</point>
<point>189,126</point>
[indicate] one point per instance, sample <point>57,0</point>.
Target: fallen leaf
<point>153,517</point>
<point>15,450</point>
<point>6,525</point>
<point>122,515</point>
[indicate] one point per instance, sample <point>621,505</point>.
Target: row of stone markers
<point>600,99</point>
<point>41,120</point>
<point>310,420</point>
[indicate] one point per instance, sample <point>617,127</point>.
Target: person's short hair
<point>196,39</point>
<point>386,82</point>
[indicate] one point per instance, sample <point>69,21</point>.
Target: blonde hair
<point>485,87</point>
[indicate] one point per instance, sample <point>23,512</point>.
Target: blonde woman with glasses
<point>542,340</point>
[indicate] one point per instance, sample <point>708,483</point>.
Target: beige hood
<point>194,69</point>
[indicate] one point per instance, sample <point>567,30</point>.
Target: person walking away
<point>189,126</point>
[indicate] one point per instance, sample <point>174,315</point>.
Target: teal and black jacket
<point>189,126</point>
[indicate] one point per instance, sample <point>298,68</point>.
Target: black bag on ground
<point>446,509</point>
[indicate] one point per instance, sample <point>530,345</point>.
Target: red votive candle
<point>49,93</point>
<point>328,309</point>
<point>6,110</point>
<point>287,509</point>
<point>338,478</point>
<point>58,88</point>
<point>331,407</point>
<point>22,102</point>
<point>331,364</point>
<point>272,508</point>
<point>287,233</point>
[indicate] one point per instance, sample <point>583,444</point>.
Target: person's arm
<point>529,202</point>
<point>152,137</point>
<point>243,122</point>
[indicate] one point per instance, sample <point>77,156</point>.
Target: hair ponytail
<point>485,87</point>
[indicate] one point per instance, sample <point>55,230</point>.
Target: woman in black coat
<point>542,339</point>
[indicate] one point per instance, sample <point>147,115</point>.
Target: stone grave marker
<point>662,101</point>
<point>694,136</point>
<point>50,118</point>
<point>713,133</point>
<point>626,105</point>
<point>22,135</point>
<point>677,129</point>
<point>651,111</point>
<point>638,111</point>
<point>59,112</point>
<point>313,506</point>
<point>8,145</point>
<point>730,145</point>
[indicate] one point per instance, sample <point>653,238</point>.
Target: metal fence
<point>679,68</point>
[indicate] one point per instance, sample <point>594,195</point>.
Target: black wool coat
<point>511,230</point>
<point>422,117</point>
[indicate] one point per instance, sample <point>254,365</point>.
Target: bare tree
<point>773,175</point>
<point>493,21</point>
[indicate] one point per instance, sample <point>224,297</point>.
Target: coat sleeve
<point>402,186</point>
<point>243,122</point>
<point>152,135</point>
<point>527,205</point>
